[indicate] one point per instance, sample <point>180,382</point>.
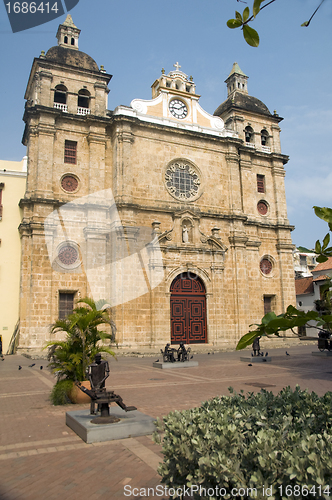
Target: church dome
<point>243,101</point>
<point>64,55</point>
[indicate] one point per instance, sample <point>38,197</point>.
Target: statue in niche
<point>185,235</point>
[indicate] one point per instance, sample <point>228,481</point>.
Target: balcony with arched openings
<point>265,141</point>
<point>83,102</point>
<point>249,137</point>
<point>60,98</point>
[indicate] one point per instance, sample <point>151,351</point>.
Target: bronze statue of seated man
<point>98,372</point>
<point>183,353</point>
<point>168,354</point>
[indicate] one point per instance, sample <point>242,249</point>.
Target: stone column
<point>278,173</point>
<point>241,296</point>
<point>235,195</point>
<point>286,266</point>
<point>97,154</point>
<point>123,189</point>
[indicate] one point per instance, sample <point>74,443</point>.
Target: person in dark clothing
<point>256,347</point>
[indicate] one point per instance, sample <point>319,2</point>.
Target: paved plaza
<point>41,458</point>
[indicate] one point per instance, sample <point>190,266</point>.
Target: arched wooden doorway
<point>188,310</point>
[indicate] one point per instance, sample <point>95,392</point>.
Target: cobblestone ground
<point>41,458</point>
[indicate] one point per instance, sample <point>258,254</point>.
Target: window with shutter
<point>66,304</point>
<point>261,183</point>
<point>70,152</point>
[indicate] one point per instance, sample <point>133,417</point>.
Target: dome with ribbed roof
<point>70,57</point>
<point>67,51</point>
<point>242,101</point>
<point>238,96</point>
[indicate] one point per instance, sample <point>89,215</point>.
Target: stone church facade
<point>176,217</point>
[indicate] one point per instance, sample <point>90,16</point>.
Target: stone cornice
<point>289,247</point>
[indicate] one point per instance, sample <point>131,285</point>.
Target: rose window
<point>266,266</point>
<point>262,207</point>
<point>182,180</point>
<point>68,255</point>
<point>69,183</point>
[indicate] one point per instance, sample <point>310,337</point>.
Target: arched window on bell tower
<point>249,135</point>
<point>83,102</point>
<point>265,141</point>
<point>60,97</point>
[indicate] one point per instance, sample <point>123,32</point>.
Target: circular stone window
<point>68,256</point>
<point>69,183</point>
<point>266,266</point>
<point>182,180</point>
<point>262,207</point>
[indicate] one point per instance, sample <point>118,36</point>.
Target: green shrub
<point>60,392</point>
<point>254,441</point>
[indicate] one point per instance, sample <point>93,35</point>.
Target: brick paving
<point>41,458</point>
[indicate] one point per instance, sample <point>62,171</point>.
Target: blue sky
<point>291,72</point>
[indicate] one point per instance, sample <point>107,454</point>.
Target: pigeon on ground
<point>208,353</point>
<point>287,354</point>
<point>40,367</point>
<point>250,364</point>
<point>33,364</point>
<point>191,357</point>
<point>19,367</point>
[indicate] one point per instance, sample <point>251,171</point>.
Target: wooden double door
<point>188,310</point>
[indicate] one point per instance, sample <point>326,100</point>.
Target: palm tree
<point>70,358</point>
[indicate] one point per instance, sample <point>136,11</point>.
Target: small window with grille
<point>261,183</point>
<point>66,304</point>
<point>70,152</point>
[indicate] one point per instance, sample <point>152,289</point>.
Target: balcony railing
<point>59,105</point>
<point>83,111</point>
<point>266,149</point>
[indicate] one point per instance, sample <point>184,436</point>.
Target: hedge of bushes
<point>253,441</point>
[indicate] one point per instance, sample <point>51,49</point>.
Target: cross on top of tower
<point>177,66</point>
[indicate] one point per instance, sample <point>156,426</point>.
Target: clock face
<point>182,181</point>
<point>178,108</point>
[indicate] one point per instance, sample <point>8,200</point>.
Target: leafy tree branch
<point>242,20</point>
<point>271,324</point>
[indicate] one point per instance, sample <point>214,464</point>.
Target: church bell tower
<point>65,133</point>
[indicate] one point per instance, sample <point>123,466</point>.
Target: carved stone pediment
<point>185,214</point>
